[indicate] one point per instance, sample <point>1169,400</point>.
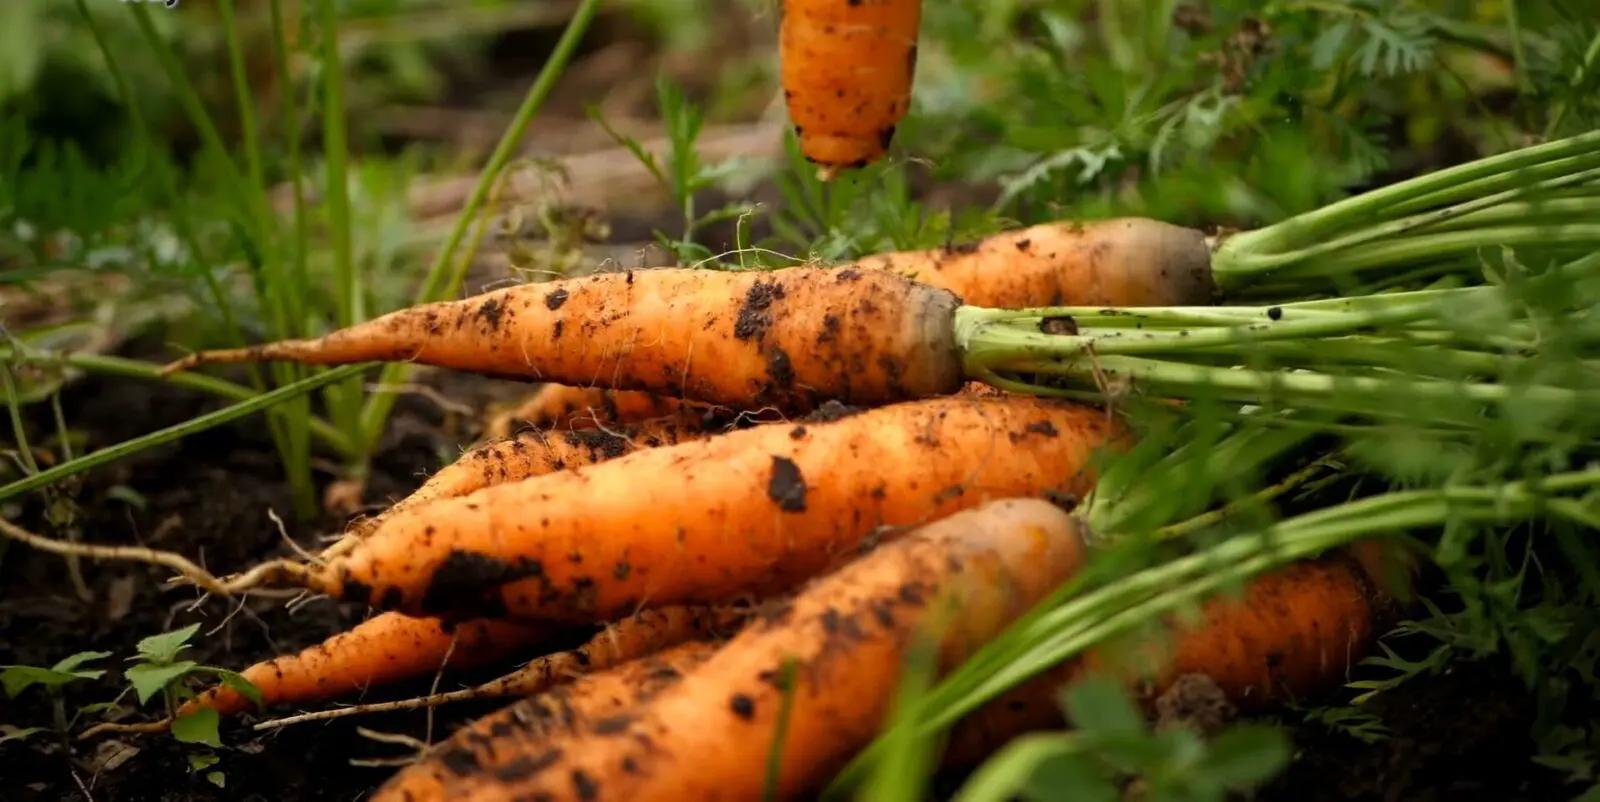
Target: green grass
<point>1409,191</point>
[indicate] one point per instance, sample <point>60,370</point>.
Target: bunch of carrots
<point>768,486</point>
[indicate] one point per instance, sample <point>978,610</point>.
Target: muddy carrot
<point>532,452</point>
<point>1120,262</point>
<point>789,339</point>
<point>708,736</point>
<point>558,406</point>
<point>599,700</point>
<point>756,511</point>
<point>1295,631</point>
<point>847,70</point>
<point>388,647</point>
<point>639,635</point>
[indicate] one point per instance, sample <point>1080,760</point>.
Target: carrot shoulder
<point>846,70</point>
<point>1295,631</point>
<point>388,647</point>
<point>709,735</point>
<point>789,338</point>
<point>756,511</point>
<point>1127,261</point>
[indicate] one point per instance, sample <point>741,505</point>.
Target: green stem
<point>1063,627</point>
<point>295,442</point>
<point>139,369</point>
<point>1243,257</point>
<point>444,278</point>
<point>1257,262</point>
<point>345,400</point>
<point>175,432</point>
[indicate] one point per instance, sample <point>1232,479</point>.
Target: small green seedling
<point>17,678</point>
<point>157,672</point>
<point>1114,747</point>
<point>683,174</point>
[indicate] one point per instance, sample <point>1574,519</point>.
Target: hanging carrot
<point>846,68</point>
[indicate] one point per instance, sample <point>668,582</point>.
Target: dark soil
<point>1460,736</point>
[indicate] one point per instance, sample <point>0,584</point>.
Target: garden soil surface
<point>1459,736</point>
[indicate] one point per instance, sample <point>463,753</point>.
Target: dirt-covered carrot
<point>756,511</point>
<point>789,339</point>
<point>846,70</point>
<point>595,701</point>
<point>1294,632</point>
<point>558,406</point>
<point>388,647</point>
<point>838,648</point>
<point>532,452</point>
<point>639,635</point>
<point>1127,261</point>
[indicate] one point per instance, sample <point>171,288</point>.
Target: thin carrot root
<point>790,339</point>
<point>386,648</point>
<point>708,736</point>
<point>191,573</point>
<point>558,406</point>
<point>532,452</point>
<point>639,635</point>
<point>1295,631</point>
<point>846,70</point>
<point>753,512</point>
<point>597,700</point>
<point>1119,262</point>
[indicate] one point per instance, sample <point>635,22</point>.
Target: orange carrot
<point>755,511</point>
<point>709,735</point>
<point>1295,631</point>
<point>1127,261</point>
<point>790,338</point>
<point>388,647</point>
<point>846,70</point>
<point>532,452</point>
<point>557,406</point>
<point>599,700</point>
<point>640,635</point>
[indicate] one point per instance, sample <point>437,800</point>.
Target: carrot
<point>385,648</point>
<point>790,338</point>
<point>755,511</point>
<point>532,452</point>
<point>1120,262</point>
<point>640,635</point>
<point>597,700</point>
<point>709,735</point>
<point>847,70</point>
<point>1294,632</point>
<point>557,406</point>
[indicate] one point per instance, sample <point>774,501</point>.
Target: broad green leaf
<point>199,727</point>
<point>1099,706</point>
<point>237,681</point>
<point>148,678</point>
<point>164,648</point>
<point>1247,755</point>
<point>17,679</point>
<point>21,734</point>
<point>71,663</point>
<point>216,778</point>
<point>1052,755</point>
<point>202,760</point>
<point>1069,778</point>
